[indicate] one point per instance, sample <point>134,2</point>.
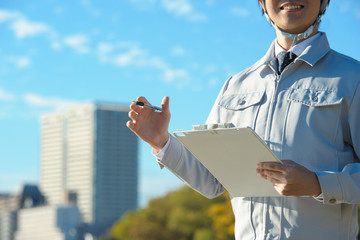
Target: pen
<point>147,106</point>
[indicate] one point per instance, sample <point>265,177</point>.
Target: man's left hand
<point>290,178</point>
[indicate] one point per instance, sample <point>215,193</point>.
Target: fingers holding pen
<point>136,108</point>
<point>134,112</point>
<point>138,111</point>
<point>142,99</point>
<point>149,122</point>
<point>132,124</point>
<point>142,111</point>
<point>133,115</point>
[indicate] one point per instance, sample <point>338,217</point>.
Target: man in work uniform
<point>302,98</point>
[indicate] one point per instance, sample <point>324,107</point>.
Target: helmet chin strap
<point>297,36</point>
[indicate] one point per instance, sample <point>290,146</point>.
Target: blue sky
<point>55,53</point>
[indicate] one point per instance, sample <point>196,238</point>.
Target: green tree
<point>180,215</point>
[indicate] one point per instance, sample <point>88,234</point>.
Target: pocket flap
<point>315,98</point>
<point>241,101</point>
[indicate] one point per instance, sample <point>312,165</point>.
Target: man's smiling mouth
<point>291,7</point>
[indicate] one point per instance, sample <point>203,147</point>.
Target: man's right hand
<point>149,125</point>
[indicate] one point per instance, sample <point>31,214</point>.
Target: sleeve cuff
<point>330,187</point>
<point>160,155</point>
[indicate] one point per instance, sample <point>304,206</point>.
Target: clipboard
<point>231,155</point>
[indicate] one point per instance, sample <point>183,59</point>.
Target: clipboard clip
<point>213,126</point>
<point>204,128</point>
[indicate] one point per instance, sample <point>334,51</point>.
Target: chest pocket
<point>315,98</point>
<point>241,101</point>
<point>241,109</point>
<point>313,120</point>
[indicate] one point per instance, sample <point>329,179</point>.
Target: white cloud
<point>6,15</point>
<point>78,42</point>
<point>179,7</point>
<point>129,54</point>
<point>240,12</point>
<point>178,51</point>
<point>170,75</point>
<point>20,62</point>
<point>134,56</point>
<point>48,102</point>
<point>24,28</point>
<point>184,9</point>
<point>5,96</point>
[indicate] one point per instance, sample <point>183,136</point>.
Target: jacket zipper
<point>271,104</point>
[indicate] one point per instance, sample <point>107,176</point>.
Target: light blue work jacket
<point>309,114</point>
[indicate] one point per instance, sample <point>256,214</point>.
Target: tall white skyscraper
<point>90,158</point>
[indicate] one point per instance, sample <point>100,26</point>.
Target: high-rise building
<point>90,158</point>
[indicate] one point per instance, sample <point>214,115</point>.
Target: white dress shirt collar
<point>298,48</point>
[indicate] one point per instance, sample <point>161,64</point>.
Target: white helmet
<point>324,4</point>
<point>308,32</point>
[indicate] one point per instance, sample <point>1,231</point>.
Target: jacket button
<point>333,200</point>
<point>242,102</point>
<point>315,99</point>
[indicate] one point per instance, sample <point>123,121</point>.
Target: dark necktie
<point>285,58</point>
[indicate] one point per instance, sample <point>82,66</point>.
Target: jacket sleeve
<point>344,186</point>
<point>187,168</point>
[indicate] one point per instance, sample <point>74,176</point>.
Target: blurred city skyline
<point>54,54</point>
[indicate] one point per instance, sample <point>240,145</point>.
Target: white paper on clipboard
<point>231,155</point>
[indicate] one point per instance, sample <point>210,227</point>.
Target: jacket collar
<point>311,55</point>
<point>315,51</point>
